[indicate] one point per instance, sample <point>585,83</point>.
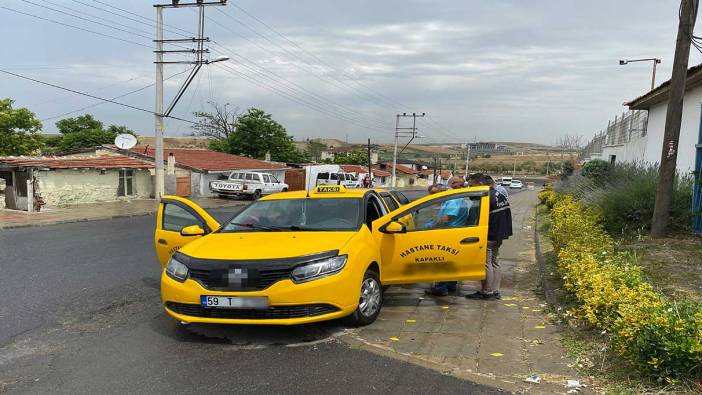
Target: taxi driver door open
<point>438,238</point>
<point>178,222</point>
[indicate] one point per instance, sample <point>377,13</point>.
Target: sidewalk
<point>498,343</point>
<point>96,211</point>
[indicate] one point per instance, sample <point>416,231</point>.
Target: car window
<point>265,178</point>
<point>459,212</point>
<point>176,218</point>
<point>328,214</point>
<point>389,201</point>
<point>273,179</point>
<point>323,176</point>
<point>249,176</point>
<point>334,176</point>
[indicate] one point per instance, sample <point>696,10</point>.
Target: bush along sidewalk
<point>661,338</point>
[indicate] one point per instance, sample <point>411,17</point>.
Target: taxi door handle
<point>162,241</point>
<point>470,240</point>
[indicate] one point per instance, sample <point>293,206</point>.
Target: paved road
<point>81,314</point>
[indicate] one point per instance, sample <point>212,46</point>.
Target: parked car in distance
<point>346,179</point>
<point>506,181</point>
<point>516,184</point>
<point>249,184</point>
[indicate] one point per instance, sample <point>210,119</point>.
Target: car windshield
<point>328,214</point>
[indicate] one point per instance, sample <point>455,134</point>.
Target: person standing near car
<point>499,229</point>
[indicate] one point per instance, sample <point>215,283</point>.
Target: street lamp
<point>655,62</point>
<point>217,59</point>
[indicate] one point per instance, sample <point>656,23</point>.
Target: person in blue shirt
<point>452,214</point>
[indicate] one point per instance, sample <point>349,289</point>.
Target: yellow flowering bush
<point>655,335</point>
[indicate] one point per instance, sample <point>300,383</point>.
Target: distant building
<point>486,148</point>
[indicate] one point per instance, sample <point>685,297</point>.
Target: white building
<point>637,136</point>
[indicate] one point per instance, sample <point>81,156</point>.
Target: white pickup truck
<point>248,184</point>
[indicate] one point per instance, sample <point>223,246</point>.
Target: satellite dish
<point>125,141</point>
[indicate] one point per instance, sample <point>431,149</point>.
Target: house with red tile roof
<point>32,182</point>
<point>190,170</point>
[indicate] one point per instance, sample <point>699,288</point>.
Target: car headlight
<point>176,270</point>
<point>318,269</point>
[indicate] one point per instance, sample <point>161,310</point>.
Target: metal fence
<point>621,130</point>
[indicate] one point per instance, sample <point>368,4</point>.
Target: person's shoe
<point>477,295</point>
<point>490,296</point>
<point>436,292</point>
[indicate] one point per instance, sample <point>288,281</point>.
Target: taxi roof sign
<point>330,189</point>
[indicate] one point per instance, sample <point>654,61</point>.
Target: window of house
<point>126,183</point>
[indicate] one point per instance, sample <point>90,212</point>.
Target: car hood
<point>265,245</point>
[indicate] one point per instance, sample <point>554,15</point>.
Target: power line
<point>392,102</point>
<point>113,98</point>
<point>293,98</point>
<point>76,27</point>
<point>87,94</point>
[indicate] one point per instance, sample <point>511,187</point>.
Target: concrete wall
<point>633,151</point>
<point>689,130</point>
<point>67,187</point>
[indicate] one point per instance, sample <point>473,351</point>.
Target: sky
<point>524,71</point>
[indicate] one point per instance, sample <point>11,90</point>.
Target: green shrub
<point>660,338</point>
<point>596,169</point>
<point>626,195</point>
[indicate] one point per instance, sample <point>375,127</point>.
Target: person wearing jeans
<point>499,229</point>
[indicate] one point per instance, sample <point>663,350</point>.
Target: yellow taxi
<point>300,257</point>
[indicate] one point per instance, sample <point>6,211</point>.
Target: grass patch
<point>673,265</point>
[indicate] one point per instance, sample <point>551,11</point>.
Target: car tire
<point>370,301</point>
<point>284,190</point>
<point>256,195</point>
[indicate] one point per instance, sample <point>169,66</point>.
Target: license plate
<point>229,187</point>
<point>234,302</point>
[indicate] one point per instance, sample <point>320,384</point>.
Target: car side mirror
<point>393,227</point>
<point>192,230</point>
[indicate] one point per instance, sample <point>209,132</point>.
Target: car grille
<point>244,275</point>
<point>273,312</point>
<point>216,279</point>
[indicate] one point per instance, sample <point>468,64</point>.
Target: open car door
<point>440,237</point>
<point>178,222</point>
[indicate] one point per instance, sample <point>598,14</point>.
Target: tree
<point>567,169</point>
<point>255,134</point>
<point>86,131</point>
<point>314,150</point>
<point>218,125</point>
<point>356,157</point>
<point>19,130</point>
<point>570,144</point>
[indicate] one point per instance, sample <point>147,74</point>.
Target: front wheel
<point>370,302</point>
<point>256,195</point>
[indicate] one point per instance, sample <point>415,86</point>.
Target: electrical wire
<point>76,27</point>
<point>113,98</point>
<point>89,95</point>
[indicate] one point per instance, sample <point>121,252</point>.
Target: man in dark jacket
<point>499,229</point>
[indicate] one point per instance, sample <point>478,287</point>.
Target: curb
<point>100,218</point>
<point>545,285</point>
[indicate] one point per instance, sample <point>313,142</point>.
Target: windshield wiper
<point>254,226</point>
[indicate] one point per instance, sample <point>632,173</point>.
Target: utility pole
<point>198,51</point>
<point>671,134</point>
<point>370,170</point>
<point>411,132</point>
<point>434,179</point>
<point>467,157</point>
